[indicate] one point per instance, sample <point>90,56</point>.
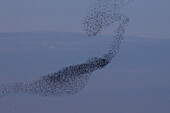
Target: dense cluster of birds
<point>72,79</point>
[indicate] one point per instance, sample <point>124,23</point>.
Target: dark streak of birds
<point>72,79</point>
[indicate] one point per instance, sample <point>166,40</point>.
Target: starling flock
<point>70,80</point>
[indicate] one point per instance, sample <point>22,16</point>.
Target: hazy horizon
<point>40,37</point>
<point>136,81</point>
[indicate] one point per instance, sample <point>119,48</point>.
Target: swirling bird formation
<point>72,79</point>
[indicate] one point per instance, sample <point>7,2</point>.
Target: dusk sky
<point>149,18</point>
<point>137,80</point>
<point>38,37</point>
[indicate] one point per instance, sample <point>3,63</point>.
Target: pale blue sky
<point>149,18</point>
<point>136,81</point>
